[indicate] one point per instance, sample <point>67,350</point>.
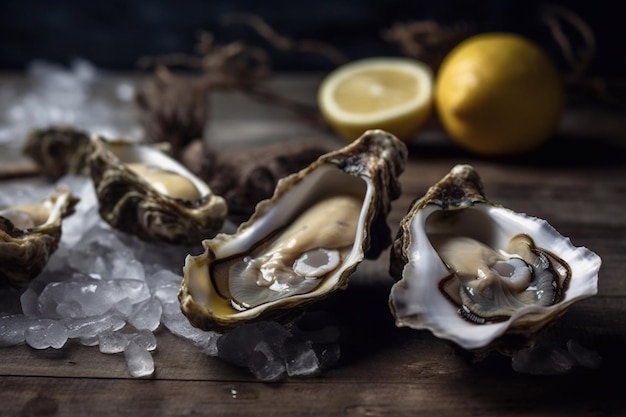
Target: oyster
<point>173,108</point>
<point>472,271</point>
<point>245,178</point>
<point>29,234</point>
<point>302,243</point>
<point>58,150</point>
<point>143,191</point>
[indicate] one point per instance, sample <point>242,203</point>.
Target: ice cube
<point>138,360</point>
<point>110,341</point>
<point>300,358</point>
<point>147,315</point>
<point>91,327</point>
<point>45,333</point>
<point>265,362</point>
<point>12,329</point>
<point>543,360</point>
<point>584,356</point>
<point>145,339</point>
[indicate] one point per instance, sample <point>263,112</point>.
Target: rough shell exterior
<point>131,204</point>
<point>58,150</point>
<point>25,252</point>
<point>245,178</point>
<point>173,108</point>
<point>416,299</point>
<point>377,159</point>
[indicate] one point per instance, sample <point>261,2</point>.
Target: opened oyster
<point>29,234</point>
<point>471,271</point>
<point>302,243</point>
<point>143,191</point>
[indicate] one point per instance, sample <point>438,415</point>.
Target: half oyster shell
<point>58,150</point>
<point>245,178</point>
<point>472,271</point>
<point>302,243</point>
<point>143,191</point>
<point>30,234</point>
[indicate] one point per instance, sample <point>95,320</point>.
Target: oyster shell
<point>29,234</point>
<point>472,271</point>
<point>245,178</point>
<point>58,150</point>
<point>143,191</point>
<point>173,108</point>
<point>302,243</point>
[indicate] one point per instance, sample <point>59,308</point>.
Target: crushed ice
<point>101,288</point>
<point>55,95</point>
<point>108,289</point>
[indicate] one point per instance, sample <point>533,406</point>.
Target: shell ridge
<point>376,159</point>
<point>416,300</point>
<point>130,203</point>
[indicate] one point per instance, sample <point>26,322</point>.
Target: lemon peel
<point>499,94</point>
<point>389,93</point>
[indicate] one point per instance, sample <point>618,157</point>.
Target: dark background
<point>114,34</point>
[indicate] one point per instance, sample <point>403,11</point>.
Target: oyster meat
<point>30,234</point>
<point>302,243</point>
<point>143,191</point>
<point>472,271</point>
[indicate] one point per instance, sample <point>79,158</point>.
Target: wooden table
<point>577,183</point>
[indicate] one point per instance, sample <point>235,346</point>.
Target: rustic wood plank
<point>437,394</point>
<point>578,184</point>
<point>370,345</point>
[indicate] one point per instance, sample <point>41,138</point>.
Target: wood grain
<point>578,183</point>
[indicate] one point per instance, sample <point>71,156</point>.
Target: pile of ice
<point>52,94</point>
<point>108,289</point>
<point>102,287</point>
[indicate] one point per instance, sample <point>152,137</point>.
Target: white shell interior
<point>57,207</point>
<point>325,180</point>
<point>418,302</point>
<point>129,152</point>
<point>53,206</point>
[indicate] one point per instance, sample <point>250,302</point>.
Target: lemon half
<point>499,94</point>
<point>388,93</point>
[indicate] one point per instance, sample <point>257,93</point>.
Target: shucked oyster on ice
<point>471,271</point>
<point>302,243</point>
<point>143,191</point>
<point>29,234</point>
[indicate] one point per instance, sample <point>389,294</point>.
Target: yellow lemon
<point>388,93</point>
<point>499,94</point>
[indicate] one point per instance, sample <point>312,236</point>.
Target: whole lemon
<point>499,94</point>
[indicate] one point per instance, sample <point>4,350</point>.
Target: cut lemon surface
<point>388,93</point>
<point>499,94</point>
